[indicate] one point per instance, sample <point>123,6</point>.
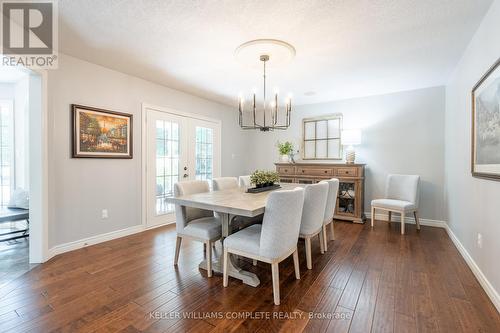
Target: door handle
<point>185,168</point>
<point>186,175</point>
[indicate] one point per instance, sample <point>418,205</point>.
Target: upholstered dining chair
<point>239,222</point>
<point>244,181</point>
<point>274,240</point>
<point>194,223</point>
<point>401,196</point>
<point>313,215</point>
<point>224,183</point>
<point>331,203</point>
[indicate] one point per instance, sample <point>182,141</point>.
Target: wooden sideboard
<point>350,203</point>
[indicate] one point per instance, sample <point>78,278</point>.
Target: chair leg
<point>204,247</point>
<point>390,216</point>
<point>416,220</point>
<point>178,242</point>
<point>332,227</point>
<point>276,283</point>
<point>224,269</point>
<point>296,264</point>
<point>209,259</point>
<point>254,262</point>
<point>321,241</point>
<point>308,253</point>
<point>325,239</point>
<point>373,215</point>
<point>402,223</point>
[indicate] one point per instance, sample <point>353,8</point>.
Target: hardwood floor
<point>14,254</point>
<point>369,280</point>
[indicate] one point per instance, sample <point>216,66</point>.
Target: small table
<point>229,204</point>
<point>12,215</point>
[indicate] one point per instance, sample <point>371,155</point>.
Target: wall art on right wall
<point>486,125</point>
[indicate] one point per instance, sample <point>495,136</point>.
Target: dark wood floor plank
<point>369,280</point>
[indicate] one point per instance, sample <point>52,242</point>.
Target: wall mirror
<point>321,138</point>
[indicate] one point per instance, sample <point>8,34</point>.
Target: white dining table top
<point>234,201</point>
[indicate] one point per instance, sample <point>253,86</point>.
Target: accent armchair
<point>401,196</point>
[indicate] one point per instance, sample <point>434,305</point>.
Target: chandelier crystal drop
<point>266,119</point>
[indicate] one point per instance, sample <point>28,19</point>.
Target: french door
<point>178,148</point>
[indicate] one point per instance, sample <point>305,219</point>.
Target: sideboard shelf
<point>350,202</point>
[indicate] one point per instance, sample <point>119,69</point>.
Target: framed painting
<point>99,133</point>
<point>486,125</point>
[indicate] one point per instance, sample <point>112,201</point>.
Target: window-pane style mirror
<point>321,138</point>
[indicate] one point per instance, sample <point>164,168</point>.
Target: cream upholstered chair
<point>194,223</point>
<point>274,240</point>
<point>244,181</point>
<point>313,215</point>
<point>239,222</point>
<point>224,183</point>
<point>401,196</point>
<point>331,203</point>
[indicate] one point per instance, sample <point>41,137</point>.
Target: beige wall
<point>472,203</point>
<point>81,188</point>
<point>401,133</point>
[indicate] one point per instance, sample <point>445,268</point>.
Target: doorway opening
<point>20,110</point>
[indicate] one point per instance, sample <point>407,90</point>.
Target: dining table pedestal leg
<point>233,269</point>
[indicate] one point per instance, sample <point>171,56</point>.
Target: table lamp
<point>350,138</point>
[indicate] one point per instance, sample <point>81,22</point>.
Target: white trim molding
<point>483,281</point>
<point>92,240</point>
<point>408,219</point>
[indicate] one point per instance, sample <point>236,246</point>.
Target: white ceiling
<point>344,48</point>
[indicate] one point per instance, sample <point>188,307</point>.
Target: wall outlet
<point>479,241</point>
<point>104,214</point>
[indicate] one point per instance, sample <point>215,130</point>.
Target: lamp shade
<point>351,137</point>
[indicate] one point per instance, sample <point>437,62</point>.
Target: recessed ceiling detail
<point>279,52</point>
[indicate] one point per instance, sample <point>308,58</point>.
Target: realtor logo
<point>29,33</point>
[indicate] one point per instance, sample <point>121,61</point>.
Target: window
<point>321,138</point>
<point>204,153</point>
<point>167,163</point>
<point>6,151</point>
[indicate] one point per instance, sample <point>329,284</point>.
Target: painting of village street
<point>101,134</point>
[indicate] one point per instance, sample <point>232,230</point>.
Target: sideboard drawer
<point>349,172</point>
<point>314,171</point>
<point>288,170</point>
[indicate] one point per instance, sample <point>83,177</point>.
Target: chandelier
<point>271,115</point>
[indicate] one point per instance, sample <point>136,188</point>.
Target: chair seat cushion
<point>246,240</point>
<point>393,204</point>
<point>207,228</point>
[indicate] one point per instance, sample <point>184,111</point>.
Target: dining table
<point>228,204</point>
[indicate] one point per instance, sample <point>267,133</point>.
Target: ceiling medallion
<point>271,116</point>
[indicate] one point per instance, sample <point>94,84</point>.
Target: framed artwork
<point>101,133</point>
<point>321,138</point>
<point>486,125</point>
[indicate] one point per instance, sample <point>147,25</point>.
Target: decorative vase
<point>284,158</point>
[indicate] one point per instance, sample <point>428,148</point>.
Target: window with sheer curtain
<point>6,151</point>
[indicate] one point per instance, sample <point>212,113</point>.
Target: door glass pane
<point>167,164</point>
<point>204,153</point>
<point>6,156</point>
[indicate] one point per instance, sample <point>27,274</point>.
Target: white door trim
<point>144,108</point>
<point>39,168</point>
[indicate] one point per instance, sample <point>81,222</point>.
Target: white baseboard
<point>75,245</point>
<point>396,218</point>
<point>483,281</point>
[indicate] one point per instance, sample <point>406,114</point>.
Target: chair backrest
<point>183,214</point>
<point>313,214</point>
<point>403,187</point>
<point>224,183</point>
<point>244,181</point>
<point>281,223</point>
<point>331,202</point>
